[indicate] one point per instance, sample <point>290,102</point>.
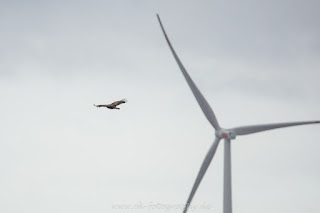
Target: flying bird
<point>113,105</point>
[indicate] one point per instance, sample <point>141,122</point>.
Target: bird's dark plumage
<point>113,105</point>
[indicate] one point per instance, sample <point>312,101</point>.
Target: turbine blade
<point>197,94</point>
<point>244,130</point>
<point>202,171</point>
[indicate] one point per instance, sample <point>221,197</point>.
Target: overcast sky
<point>255,62</point>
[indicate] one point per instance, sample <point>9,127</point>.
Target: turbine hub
<point>226,133</point>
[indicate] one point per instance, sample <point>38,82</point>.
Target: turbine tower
<point>220,133</point>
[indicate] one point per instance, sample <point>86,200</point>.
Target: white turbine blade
<point>258,128</point>
<point>201,100</point>
<point>202,171</point>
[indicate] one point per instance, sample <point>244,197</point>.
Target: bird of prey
<point>113,105</point>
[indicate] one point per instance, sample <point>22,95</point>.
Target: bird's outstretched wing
<point>116,103</point>
<point>101,105</point>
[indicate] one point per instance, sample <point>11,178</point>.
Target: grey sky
<point>254,61</point>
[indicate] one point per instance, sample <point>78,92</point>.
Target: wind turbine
<point>226,134</point>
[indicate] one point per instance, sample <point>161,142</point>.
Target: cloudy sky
<point>255,62</point>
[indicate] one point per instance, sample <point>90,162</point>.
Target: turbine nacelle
<point>226,133</point>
